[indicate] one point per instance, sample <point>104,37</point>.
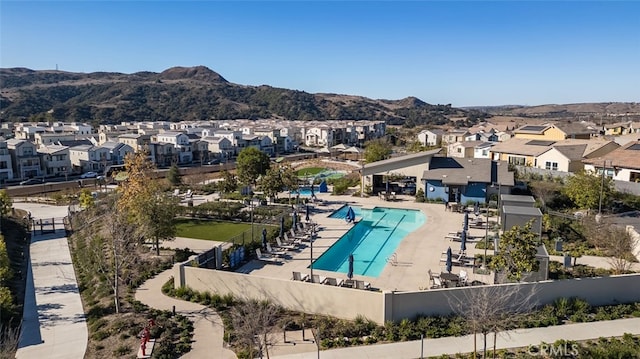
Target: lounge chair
<point>332,281</point>
<point>432,275</point>
<point>265,258</point>
<point>288,247</point>
<point>295,235</point>
<point>464,277</point>
<point>316,278</point>
<point>437,283</point>
<point>277,253</point>
<point>360,284</point>
<point>176,192</point>
<point>291,241</point>
<point>299,277</point>
<point>350,283</point>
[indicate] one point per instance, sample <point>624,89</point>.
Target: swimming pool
<point>342,212</point>
<point>305,191</point>
<point>371,241</point>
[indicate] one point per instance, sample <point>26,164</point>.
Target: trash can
<point>567,261</point>
<point>559,245</point>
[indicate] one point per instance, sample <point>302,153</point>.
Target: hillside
<point>191,93</point>
<point>630,110</point>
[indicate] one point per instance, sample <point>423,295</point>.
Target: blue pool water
<point>305,191</point>
<point>372,240</point>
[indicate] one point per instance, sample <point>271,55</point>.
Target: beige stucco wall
<point>305,297</point>
<point>552,134</point>
<point>597,291</point>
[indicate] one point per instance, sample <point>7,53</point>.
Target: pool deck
<point>420,251</point>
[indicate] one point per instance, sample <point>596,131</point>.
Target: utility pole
<point>604,167</point>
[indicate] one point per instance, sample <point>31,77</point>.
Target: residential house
<point>85,158</point>
<point>219,148</point>
<point>617,129</point>
<point>48,138</point>
<point>55,160</point>
<point>28,132</point>
<point>465,149</point>
<point>555,132</point>
<point>622,164</point>
<point>180,142</point>
<point>431,138</point>
<point>455,135</point>
<point>6,167</point>
<point>235,137</point>
<point>117,152</point>
<point>322,136</point>
<point>136,141</point>
<point>462,181</point>
<point>483,150</point>
<point>567,156</point>
<point>24,158</point>
<point>162,154</point>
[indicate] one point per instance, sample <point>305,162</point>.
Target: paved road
<point>54,325</point>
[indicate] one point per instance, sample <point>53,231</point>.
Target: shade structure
<point>351,215</point>
<point>306,218</point>
<point>449,263</point>
<point>350,272</point>
<point>264,238</point>
<point>465,223</point>
<point>476,208</point>
<point>463,241</point>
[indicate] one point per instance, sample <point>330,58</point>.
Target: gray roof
<point>529,211</point>
<point>516,198</point>
<point>461,171</point>
<point>370,168</point>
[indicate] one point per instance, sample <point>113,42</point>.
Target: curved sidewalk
<point>208,330</point>
<point>54,324</point>
<point>453,345</point>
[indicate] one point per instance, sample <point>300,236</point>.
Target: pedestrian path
<point>54,324</point>
<point>520,338</point>
<point>208,328</point>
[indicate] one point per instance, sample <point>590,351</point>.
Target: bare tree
<point>615,241</point>
<point>253,322</point>
<point>115,255</point>
<point>490,309</point>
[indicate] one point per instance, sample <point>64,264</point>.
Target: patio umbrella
<point>476,208</point>
<point>350,272</point>
<point>449,262</point>
<point>281,235</point>
<point>306,218</point>
<point>463,241</point>
<point>264,238</point>
<point>351,216</point>
<point>313,194</point>
<point>465,223</point>
<point>387,188</point>
<point>294,220</point>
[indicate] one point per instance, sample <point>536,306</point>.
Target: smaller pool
<point>305,191</point>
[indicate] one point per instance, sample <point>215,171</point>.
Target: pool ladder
<point>393,259</point>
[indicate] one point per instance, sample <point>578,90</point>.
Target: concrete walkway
<point>208,328</point>
<point>453,345</point>
<point>54,324</point>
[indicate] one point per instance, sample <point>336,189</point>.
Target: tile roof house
<point>623,164</point>
<point>554,132</point>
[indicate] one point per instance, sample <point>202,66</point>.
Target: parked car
<point>31,181</point>
<point>89,175</point>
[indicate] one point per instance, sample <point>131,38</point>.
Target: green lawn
<point>309,171</point>
<point>213,230</point>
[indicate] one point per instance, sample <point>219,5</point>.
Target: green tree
<point>584,190</point>
<point>6,299</point>
<point>251,164</point>
<point>377,150</point>
<point>289,179</point>
<point>271,182</point>
<point>173,175</point>
<point>517,252</point>
<point>160,224</point>
<point>229,182</point>
<point>139,189</point>
<point>86,199</point>
<point>5,203</point>
<point>416,146</point>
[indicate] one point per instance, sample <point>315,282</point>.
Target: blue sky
<point>463,53</point>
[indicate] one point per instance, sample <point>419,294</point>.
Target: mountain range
<point>190,93</point>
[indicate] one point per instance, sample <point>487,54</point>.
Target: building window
<point>551,166</point>
<point>518,161</point>
<point>459,150</point>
